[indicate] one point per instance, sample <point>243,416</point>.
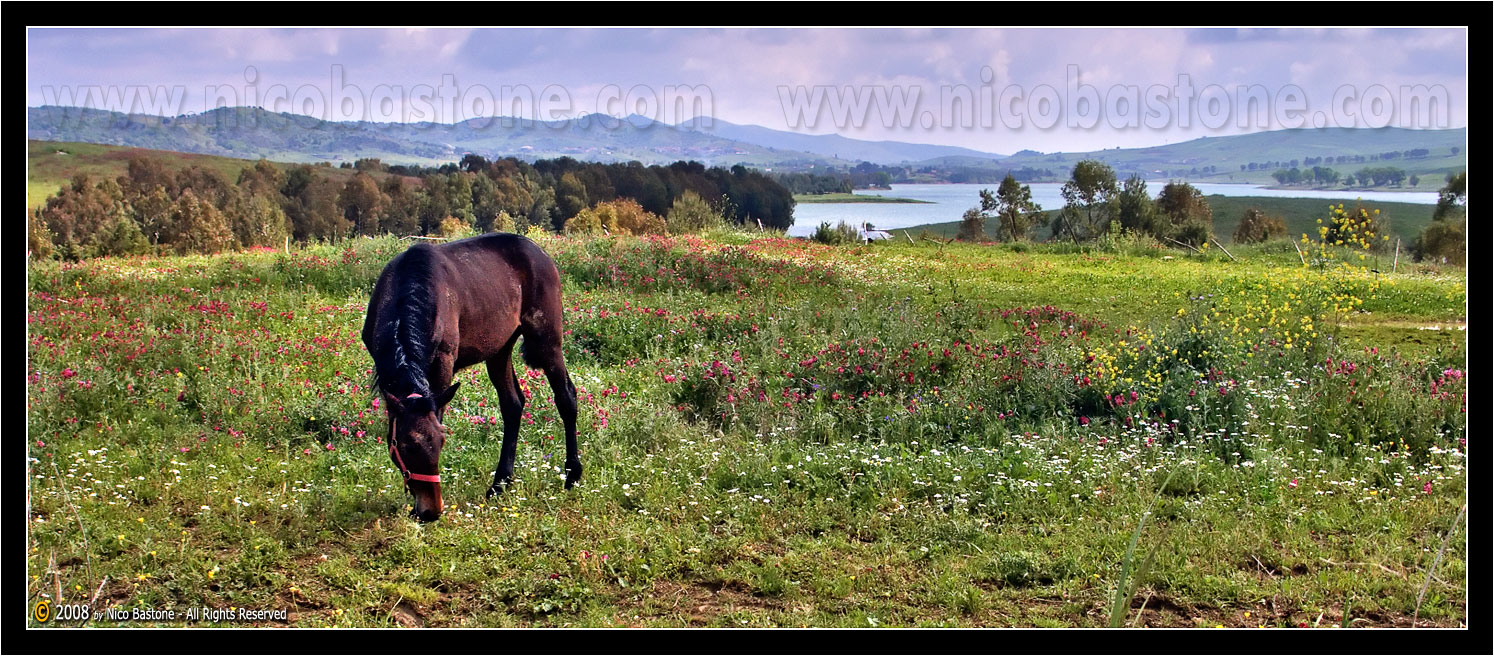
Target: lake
<point>948,201</point>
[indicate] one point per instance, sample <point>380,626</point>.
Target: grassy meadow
<point>775,433</point>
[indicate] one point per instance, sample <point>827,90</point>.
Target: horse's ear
<point>394,403</point>
<point>445,397</point>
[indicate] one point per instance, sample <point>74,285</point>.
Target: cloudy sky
<point>1024,88</point>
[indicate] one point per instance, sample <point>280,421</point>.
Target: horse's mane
<point>403,335</point>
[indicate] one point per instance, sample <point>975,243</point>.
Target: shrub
<point>623,216</point>
<point>38,238</point>
<point>504,222</point>
<point>1442,240</point>
<point>692,214</point>
<point>455,228</point>
<point>843,233</point>
<point>972,226</point>
<point>1358,229</point>
<point>587,222</point>
<point>1256,227</point>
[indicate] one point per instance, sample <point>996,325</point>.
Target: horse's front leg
<point>511,406</point>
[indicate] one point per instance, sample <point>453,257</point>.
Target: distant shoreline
<point>1387,189</point>
<point>853,198</point>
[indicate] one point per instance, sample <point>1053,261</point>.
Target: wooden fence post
<point>1221,247</point>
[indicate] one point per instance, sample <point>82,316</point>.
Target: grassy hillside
<point>1407,220</point>
<point>1228,153</point>
<point>51,164</point>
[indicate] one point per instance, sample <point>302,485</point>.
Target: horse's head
<point>415,440</point>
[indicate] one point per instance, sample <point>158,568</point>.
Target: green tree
<point>263,178</point>
<point>198,226</point>
<point>1186,215</point>
<point>459,196</point>
<point>144,174</point>
<point>1452,199</point>
<point>1446,238</point>
<point>121,236</point>
<point>1135,209</point>
<point>361,203</point>
<point>485,202</point>
<point>263,223</point>
<point>570,196</point>
<point>973,225</point>
<point>1089,201</point>
<point>402,214</point>
<point>1016,214</point>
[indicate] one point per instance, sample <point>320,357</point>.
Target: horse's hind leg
<point>546,355</point>
<point>511,406</point>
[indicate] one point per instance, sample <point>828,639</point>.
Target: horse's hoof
<point>572,474</point>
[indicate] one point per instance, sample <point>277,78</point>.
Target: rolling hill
<point>834,145</point>
<point>1227,154</point>
<point>252,133</point>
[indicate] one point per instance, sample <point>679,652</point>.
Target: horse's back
<point>507,283</point>
<point>488,254</point>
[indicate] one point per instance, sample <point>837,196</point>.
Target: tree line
<point>1377,176</point>
<point>1413,153</point>
<point>868,175</point>
<point>1095,204</point>
<point>199,210</point>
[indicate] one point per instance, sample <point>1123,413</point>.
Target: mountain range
<point>253,133</point>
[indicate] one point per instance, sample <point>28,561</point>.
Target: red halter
<point>393,433</point>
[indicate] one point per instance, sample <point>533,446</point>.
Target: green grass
<point>1407,220</point>
<point>181,411</point>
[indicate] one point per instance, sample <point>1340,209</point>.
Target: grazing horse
<point>436,310</point>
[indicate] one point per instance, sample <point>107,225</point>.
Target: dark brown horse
<point>439,309</point>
